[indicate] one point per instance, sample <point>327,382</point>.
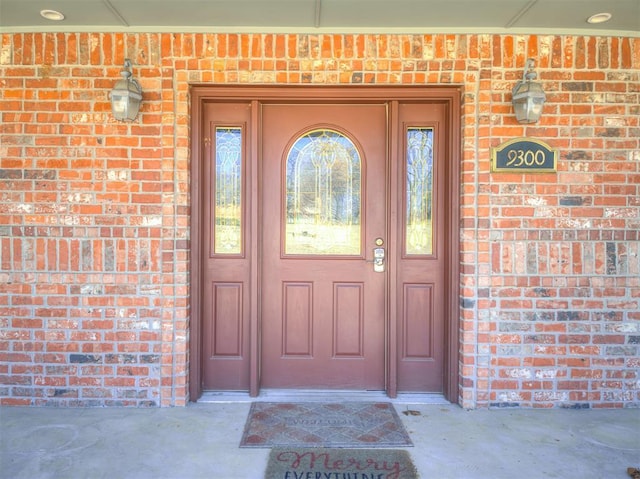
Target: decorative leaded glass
<point>323,195</point>
<point>228,191</point>
<point>419,187</point>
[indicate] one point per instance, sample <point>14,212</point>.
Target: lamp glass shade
<point>528,99</point>
<point>125,100</point>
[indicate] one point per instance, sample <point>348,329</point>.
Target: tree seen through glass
<point>323,195</point>
<point>419,190</point>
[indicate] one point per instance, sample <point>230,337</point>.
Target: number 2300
<point>525,158</point>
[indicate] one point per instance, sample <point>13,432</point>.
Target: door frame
<point>256,95</point>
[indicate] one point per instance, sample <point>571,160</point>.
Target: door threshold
<point>304,395</point>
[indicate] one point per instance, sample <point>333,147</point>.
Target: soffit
<point>405,16</point>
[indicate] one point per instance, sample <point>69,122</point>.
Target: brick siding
<point>94,214</point>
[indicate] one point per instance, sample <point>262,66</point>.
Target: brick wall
<point>94,214</point>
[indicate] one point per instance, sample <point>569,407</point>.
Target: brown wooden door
<point>288,293</point>
<point>324,206</point>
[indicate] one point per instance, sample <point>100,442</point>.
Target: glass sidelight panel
<point>228,191</point>
<point>323,197</point>
<point>419,191</point>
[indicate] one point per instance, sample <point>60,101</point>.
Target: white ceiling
<point>424,16</point>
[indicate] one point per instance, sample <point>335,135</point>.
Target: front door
<point>325,240</point>
<point>324,213</point>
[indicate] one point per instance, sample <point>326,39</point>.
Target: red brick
<point>56,117</point>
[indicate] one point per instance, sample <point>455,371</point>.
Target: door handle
<point>378,259</point>
<point>378,256</point>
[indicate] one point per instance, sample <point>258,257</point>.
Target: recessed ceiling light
<point>52,15</point>
<point>599,17</point>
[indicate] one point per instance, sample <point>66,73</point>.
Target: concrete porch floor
<point>201,441</point>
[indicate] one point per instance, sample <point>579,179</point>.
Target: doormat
<point>314,463</point>
<point>316,424</point>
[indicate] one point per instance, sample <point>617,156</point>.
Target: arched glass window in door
<point>323,197</point>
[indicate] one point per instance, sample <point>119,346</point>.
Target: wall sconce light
<point>126,95</point>
<point>528,96</point>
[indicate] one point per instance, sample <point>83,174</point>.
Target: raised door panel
<point>297,320</point>
<point>348,320</point>
<point>225,335</point>
<point>417,322</point>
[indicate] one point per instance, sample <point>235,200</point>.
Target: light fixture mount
<point>528,97</point>
<point>126,95</point>
<point>52,15</point>
<point>599,18</point>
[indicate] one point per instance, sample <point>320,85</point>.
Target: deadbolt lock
<point>378,260</point>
